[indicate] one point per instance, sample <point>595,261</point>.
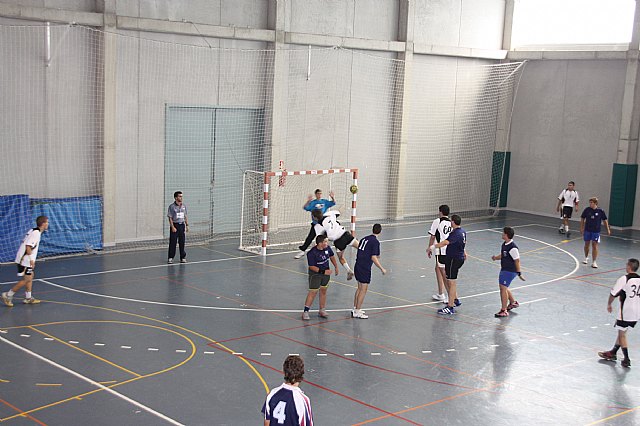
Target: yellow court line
<point>113,364</point>
<point>614,416</point>
<point>4,381</point>
<point>48,384</point>
<point>78,397</point>
<point>208,339</point>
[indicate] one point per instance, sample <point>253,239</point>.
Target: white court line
<point>92,382</point>
<point>220,308</point>
<point>165,265</point>
<point>534,301</point>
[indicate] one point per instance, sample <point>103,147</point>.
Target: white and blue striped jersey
<point>288,405</point>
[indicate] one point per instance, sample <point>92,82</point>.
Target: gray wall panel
<point>565,127</point>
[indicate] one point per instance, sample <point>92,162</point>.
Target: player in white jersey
<point>26,262</point>
<point>567,200</point>
<point>440,230</point>
<point>627,288</point>
<point>328,224</point>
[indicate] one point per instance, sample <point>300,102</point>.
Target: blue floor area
<point>126,339</point>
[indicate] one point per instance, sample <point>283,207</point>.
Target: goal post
<point>272,209</point>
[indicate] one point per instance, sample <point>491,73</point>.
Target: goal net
<point>273,214</point>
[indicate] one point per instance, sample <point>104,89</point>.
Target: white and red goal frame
<point>282,174</point>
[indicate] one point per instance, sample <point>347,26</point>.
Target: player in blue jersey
<point>312,204</point>
<point>509,258</point>
<point>319,275</point>
<point>287,404</point>
<point>591,221</point>
<point>456,255</point>
<point>368,252</point>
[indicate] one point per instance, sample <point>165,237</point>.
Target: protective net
<point>99,129</point>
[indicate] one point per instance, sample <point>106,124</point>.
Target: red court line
<point>20,411</point>
<point>374,366</point>
<point>314,324</point>
<point>598,273</point>
<point>388,413</point>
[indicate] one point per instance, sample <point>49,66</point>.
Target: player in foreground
<point>627,288</point>
<point>287,404</point>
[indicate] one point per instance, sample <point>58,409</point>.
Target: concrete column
<point>629,122</point>
<point>400,136</point>
<point>276,102</point>
<point>108,8</point>
<point>507,28</point>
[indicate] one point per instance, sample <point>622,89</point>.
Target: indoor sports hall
<point>130,124</point>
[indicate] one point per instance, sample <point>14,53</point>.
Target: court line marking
<point>92,382</point>
<point>164,265</point>
<point>222,308</point>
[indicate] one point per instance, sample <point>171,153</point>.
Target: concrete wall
<point>48,112</point>
<point>461,23</point>
<point>565,126</point>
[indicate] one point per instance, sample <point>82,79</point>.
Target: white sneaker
<point>594,264</point>
<point>299,255</point>
<point>360,314</point>
<point>439,297</point>
<point>586,260</point>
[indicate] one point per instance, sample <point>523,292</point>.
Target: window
<point>572,24</point>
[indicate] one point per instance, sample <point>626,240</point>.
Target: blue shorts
<point>506,277</point>
<point>591,236</point>
<point>363,276</point>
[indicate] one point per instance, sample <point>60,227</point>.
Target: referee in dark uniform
<point>178,224</point>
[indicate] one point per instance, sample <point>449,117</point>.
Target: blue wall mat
<point>75,224</point>
<point>15,221</point>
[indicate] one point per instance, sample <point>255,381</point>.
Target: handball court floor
<point>125,339</point>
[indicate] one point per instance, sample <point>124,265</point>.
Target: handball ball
<point>353,189</point>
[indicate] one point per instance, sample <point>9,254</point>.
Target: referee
<point>178,224</point>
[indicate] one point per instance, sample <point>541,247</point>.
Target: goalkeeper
<point>311,205</point>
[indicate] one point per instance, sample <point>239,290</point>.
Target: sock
<point>10,293</point>
<point>626,354</point>
<point>615,349</point>
<point>27,295</point>
<point>347,267</point>
<point>566,228</point>
<point>306,308</point>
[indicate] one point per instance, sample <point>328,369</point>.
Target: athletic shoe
<point>305,316</point>
<point>561,230</point>
<point>586,260</point>
<point>299,255</point>
<point>31,301</point>
<point>513,305</point>
<point>608,355</point>
<point>626,363</point>
<point>7,300</point>
<point>183,260</point>
<point>439,297</point>
<point>568,234</point>
<point>594,264</point>
<point>322,313</point>
<point>501,314</point>
<point>354,310</point>
<point>447,310</point>
<point>361,315</point>
<point>349,276</point>
<point>170,260</point>
<point>457,302</point>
